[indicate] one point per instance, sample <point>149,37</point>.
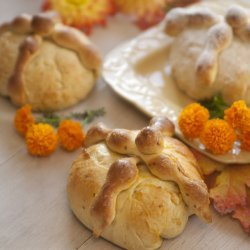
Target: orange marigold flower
<point>23,119</point>
<point>235,115</point>
<point>218,136</point>
<point>192,120</point>
<point>70,134</point>
<point>245,140</point>
<point>83,14</point>
<point>41,139</point>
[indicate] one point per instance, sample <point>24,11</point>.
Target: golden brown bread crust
<point>66,42</point>
<point>171,162</point>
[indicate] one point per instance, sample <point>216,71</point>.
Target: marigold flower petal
<point>71,135</point>
<point>235,115</point>
<point>218,136</point>
<point>82,14</point>
<point>245,140</point>
<point>192,120</point>
<point>23,119</point>
<point>244,124</point>
<point>41,139</point>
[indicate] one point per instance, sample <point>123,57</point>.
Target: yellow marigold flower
<point>245,140</point>
<point>218,136</point>
<point>82,14</point>
<point>41,139</point>
<point>70,134</point>
<point>23,119</point>
<point>235,114</point>
<point>192,120</point>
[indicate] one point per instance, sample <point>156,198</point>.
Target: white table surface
<point>34,213</point>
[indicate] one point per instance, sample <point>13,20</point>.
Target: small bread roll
<point>210,49</point>
<point>133,192</point>
<point>46,64</point>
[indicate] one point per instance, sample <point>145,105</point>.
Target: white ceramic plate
<point>139,72</point>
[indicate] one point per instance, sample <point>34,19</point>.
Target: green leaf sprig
<point>84,117</point>
<point>216,106</point>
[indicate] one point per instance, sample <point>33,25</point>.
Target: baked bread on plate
<point>210,52</point>
<point>45,63</point>
<point>135,188</point>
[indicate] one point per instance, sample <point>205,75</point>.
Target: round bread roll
<point>149,209</point>
<point>136,199</point>
<point>46,64</point>
<point>211,49</point>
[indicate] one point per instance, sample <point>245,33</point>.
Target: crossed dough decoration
<point>219,35</point>
<point>166,158</point>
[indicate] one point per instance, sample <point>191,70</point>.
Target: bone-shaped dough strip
<point>73,39</point>
<point>238,18</point>
<point>27,49</point>
<point>95,134</point>
<point>121,175</point>
<point>219,37</point>
<point>44,23</point>
<point>179,19</point>
<point>21,25</point>
<point>167,166</point>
